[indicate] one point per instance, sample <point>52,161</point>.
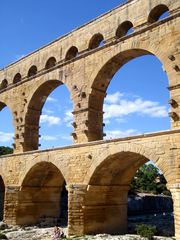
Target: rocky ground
<point>35,233</point>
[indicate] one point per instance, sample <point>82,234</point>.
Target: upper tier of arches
<point>98,37</point>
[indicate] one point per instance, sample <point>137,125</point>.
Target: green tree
<point>148,179</point>
<point>5,150</point>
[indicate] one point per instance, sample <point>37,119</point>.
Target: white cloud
<point>51,99</point>
<point>123,107</point>
<point>111,134</point>
<point>6,137</point>
<point>47,111</point>
<point>113,98</point>
<point>48,138</point>
<point>50,120</point>
<point>66,137</point>
<point>68,118</point>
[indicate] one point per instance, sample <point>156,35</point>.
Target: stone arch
<point>32,71</point>
<point>51,62</point>
<point>157,12</point>
<point>123,29</point>
<point>71,53</point>
<point>4,84</point>
<point>145,152</point>
<point>108,183</point>
<point>40,194</point>
<point>96,41</point>
<point>101,79</point>
<point>33,113</point>
<point>2,195</point>
<point>17,78</point>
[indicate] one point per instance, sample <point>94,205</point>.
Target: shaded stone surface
<point>148,203</point>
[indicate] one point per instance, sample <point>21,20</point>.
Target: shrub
<point>3,236</point>
<point>146,231</point>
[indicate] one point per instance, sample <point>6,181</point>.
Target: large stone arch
<point>35,103</point>
<point>108,181</point>
<point>40,194</point>
<point>103,73</point>
<point>146,152</point>
<point>57,161</point>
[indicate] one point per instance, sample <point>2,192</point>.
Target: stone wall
<point>97,174</point>
<point>88,74</point>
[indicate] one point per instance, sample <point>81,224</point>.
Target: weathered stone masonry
<point>97,173</point>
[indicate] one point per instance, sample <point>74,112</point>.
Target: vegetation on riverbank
<point>5,150</point>
<point>148,179</point>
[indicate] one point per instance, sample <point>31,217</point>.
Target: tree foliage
<point>5,150</point>
<point>149,179</point>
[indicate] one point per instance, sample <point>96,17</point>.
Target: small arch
<point>159,12</point>
<point>96,41</point>
<point>124,29</point>
<point>71,53</point>
<point>4,84</point>
<point>51,62</point>
<point>32,71</point>
<point>17,78</point>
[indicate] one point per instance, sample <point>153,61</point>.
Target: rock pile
<point>35,233</point>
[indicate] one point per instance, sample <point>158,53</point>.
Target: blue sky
<point>137,96</point>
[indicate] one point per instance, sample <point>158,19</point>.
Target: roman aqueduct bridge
<point>97,172</point>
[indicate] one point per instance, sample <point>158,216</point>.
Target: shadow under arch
<point>157,12</point>
<point>108,187</point>
<point>124,29</point>
<point>97,40</point>
<point>100,83</point>
<point>34,110</point>
<point>2,195</point>
<point>40,195</point>
<point>2,105</point>
<point>71,53</point>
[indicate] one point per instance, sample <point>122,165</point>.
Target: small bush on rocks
<point>3,226</point>
<point>146,231</point>
<point>3,236</point>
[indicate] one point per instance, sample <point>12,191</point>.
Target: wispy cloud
<point>56,137</point>
<point>50,120</point>
<point>48,138</point>
<point>6,137</point>
<point>113,98</point>
<point>111,134</point>
<point>66,137</point>
<point>68,118</point>
<point>118,107</point>
<point>47,111</point>
<point>51,99</point>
